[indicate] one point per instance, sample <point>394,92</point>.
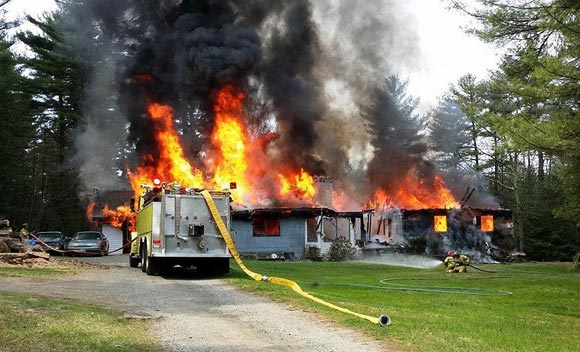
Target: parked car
<point>53,240</point>
<point>89,241</point>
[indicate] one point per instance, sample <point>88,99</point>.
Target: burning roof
<point>304,212</point>
<point>111,207</point>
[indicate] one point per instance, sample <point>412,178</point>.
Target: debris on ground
<point>27,258</point>
<point>14,252</point>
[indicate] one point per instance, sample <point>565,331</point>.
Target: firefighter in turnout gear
<point>456,262</point>
<point>448,258</point>
<point>24,234</point>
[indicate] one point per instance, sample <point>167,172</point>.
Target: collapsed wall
<point>483,234</point>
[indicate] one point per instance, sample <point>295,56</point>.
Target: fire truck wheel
<point>134,261</point>
<point>143,256</point>
<point>222,266</point>
<point>151,266</point>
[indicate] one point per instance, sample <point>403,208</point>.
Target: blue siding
<point>291,239</point>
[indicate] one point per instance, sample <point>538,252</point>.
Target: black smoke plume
<point>180,52</point>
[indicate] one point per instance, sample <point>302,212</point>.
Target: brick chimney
<point>324,191</point>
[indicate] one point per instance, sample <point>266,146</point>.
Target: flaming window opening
<point>487,223</point>
<point>440,223</point>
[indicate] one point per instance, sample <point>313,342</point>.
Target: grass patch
<point>436,311</point>
<point>16,271</point>
<point>31,323</point>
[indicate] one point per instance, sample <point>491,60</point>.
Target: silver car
<point>89,242</point>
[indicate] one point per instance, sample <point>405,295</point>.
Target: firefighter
<point>448,262</point>
<point>456,262</point>
<point>24,233</point>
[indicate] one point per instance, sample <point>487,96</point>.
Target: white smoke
<point>398,259</point>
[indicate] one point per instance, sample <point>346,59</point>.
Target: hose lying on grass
<point>390,286</point>
<point>383,320</point>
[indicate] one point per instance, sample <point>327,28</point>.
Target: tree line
<point>518,129</point>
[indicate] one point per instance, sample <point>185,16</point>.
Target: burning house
<point>287,232</point>
<point>212,93</point>
<point>484,234</point>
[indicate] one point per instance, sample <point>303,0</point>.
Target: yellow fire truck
<point>175,227</point>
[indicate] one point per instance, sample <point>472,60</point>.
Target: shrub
<point>340,249</point>
<point>312,253</point>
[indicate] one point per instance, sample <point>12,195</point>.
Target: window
<point>487,223</point>
<point>311,227</point>
<point>440,223</point>
<point>266,226</point>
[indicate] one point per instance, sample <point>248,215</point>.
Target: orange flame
<point>114,217</point>
<point>299,185</point>
<point>230,137</point>
<point>416,193</point>
<point>247,163</point>
<point>90,209</point>
<point>235,157</point>
<point>171,166</point>
<point>117,217</point>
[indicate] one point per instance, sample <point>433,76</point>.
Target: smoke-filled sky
<point>446,52</point>
<point>320,67</point>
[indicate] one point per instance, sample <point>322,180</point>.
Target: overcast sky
<point>447,52</point>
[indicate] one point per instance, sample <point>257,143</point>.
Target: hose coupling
<point>385,320</point>
<point>265,278</point>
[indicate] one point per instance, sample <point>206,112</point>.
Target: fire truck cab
<point>175,227</point>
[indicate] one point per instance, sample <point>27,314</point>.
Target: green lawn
<point>32,323</point>
<point>521,307</point>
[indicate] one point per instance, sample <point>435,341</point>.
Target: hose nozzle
<point>385,320</point>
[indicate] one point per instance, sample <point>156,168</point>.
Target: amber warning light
<point>233,185</point>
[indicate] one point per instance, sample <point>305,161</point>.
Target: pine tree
<point>542,39</point>
<point>56,78</point>
<point>449,135</point>
<point>16,139</point>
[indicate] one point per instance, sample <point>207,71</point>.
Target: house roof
<point>115,198</point>
<point>301,212</point>
<point>473,211</point>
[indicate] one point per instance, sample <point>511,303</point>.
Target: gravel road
<point>197,314</point>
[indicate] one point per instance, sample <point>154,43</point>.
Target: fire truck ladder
<point>383,320</point>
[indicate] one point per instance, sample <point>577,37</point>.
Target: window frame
<point>268,226</point>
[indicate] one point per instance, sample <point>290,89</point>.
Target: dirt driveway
<point>194,314</point>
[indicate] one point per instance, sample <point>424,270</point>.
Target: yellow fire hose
<point>383,320</point>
